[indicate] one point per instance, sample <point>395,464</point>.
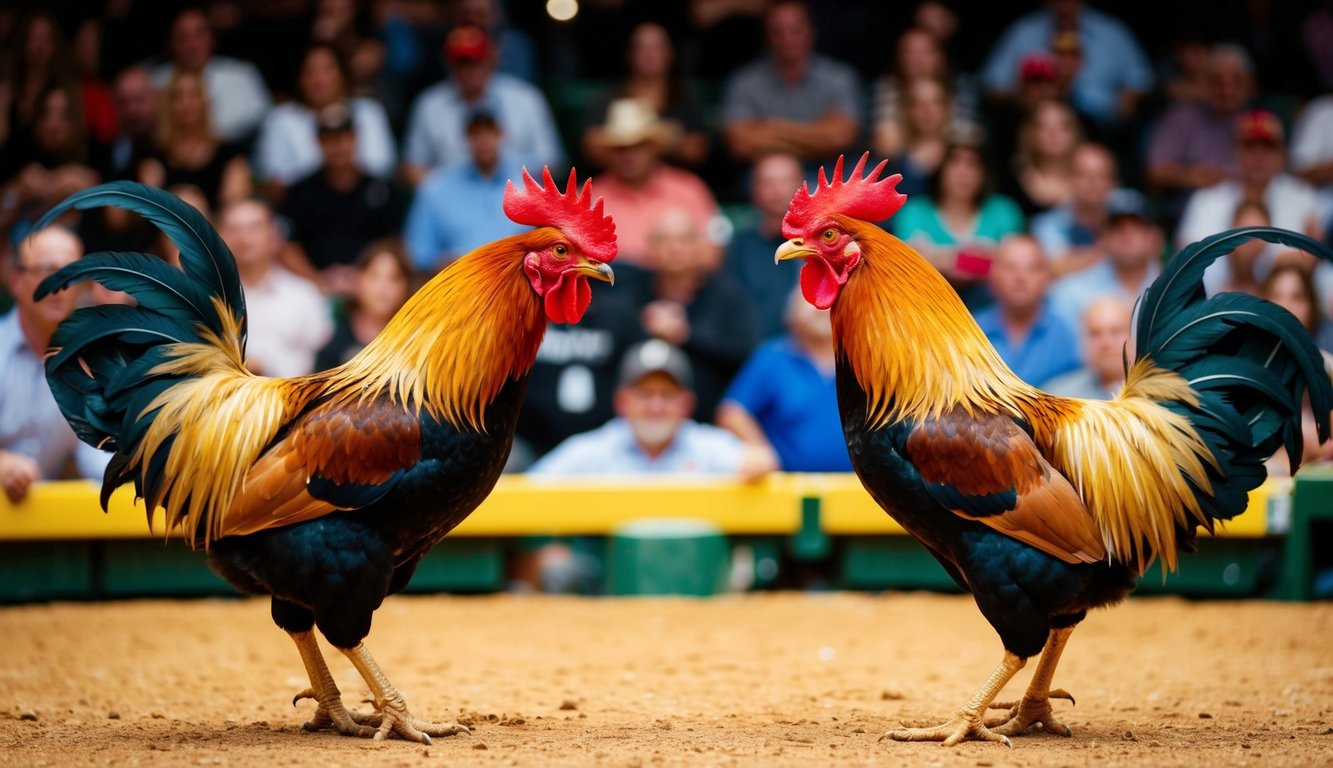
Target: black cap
<point>655,356</point>
<point>481,118</point>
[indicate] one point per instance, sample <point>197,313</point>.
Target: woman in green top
<point>959,222</point>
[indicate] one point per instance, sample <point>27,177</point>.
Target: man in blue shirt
<point>1114,72</point>
<point>460,207</point>
<point>786,397</point>
<point>773,180</point>
<point>1033,342</point>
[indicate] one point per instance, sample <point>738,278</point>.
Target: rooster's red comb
<point>573,212</point>
<point>857,197</point>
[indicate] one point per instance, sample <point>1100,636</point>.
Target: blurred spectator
<point>37,60</point>
<point>774,181</point>
<point>1289,286</point>
<point>1253,258</point>
<point>687,303</point>
<point>189,152</point>
<point>346,26</point>
<point>382,283</point>
<point>288,316</point>
<point>287,148</point>
<point>460,207</point>
<point>1317,40</point>
<point>1105,324</point>
<point>54,167</point>
<point>1069,233</point>
<point>35,440</point>
<point>1033,342</point>
<point>793,100</point>
<point>1260,159</point>
<point>653,79</point>
<point>784,401</point>
<point>1194,143</point>
<point>1113,73</point>
<point>515,53</point>
<point>1133,245</point>
<point>573,381</point>
<point>637,186</point>
<point>1042,165</point>
<point>652,431</point>
<point>924,129</point>
<point>436,131</point>
<point>336,211</point>
<point>137,116</point>
<point>1185,78</point>
<point>235,88</point>
<point>1312,151</point>
<point>1003,118</point>
<point>959,221</point>
<point>918,56</point>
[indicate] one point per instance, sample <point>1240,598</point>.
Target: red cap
<point>466,42</point>
<point>1037,66</point>
<point>1259,125</point>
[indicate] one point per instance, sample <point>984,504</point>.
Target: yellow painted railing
<point>522,506</point>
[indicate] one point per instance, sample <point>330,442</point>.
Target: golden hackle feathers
<point>916,352</point>
<point>914,347</point>
<point>475,327</point>
<point>469,331</point>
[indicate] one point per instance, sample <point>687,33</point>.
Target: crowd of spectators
<point>1054,152</point>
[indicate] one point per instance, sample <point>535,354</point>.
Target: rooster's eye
<point>561,251</point>
<point>829,235</point>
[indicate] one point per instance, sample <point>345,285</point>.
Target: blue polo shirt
<point>797,406</point>
<point>455,210</point>
<point>1049,350</point>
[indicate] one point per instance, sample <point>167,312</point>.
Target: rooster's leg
<point>390,704</point>
<point>330,712</point>
<point>968,725</point>
<point>1035,706</point>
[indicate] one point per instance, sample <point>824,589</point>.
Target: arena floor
<point>760,680</point>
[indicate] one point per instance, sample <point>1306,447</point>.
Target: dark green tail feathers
<point>101,357</point>
<point>1251,362</point>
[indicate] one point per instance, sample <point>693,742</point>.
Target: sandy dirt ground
<point>759,680</point>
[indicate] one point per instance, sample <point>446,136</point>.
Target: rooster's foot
<point>396,720</point>
<point>334,715</point>
<point>961,728</point>
<point>1030,712</point>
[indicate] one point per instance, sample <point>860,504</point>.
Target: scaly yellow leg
<point>330,711</point>
<point>391,706</point>
<point>968,724</point>
<point>1035,706</point>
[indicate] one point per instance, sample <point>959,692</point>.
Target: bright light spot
<point>562,10</point>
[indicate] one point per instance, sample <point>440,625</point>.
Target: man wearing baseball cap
<point>652,432</point>
<point>436,129</point>
<point>1261,175</point>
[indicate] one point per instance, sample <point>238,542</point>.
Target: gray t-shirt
<point>756,92</point>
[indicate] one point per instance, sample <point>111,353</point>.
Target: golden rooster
<point>1045,507</point>
<point>323,491</point>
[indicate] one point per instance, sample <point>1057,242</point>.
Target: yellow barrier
<point>522,506</point>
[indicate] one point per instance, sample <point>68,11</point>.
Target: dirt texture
<point>756,680</point>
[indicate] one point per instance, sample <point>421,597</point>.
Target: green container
<point>668,556</point>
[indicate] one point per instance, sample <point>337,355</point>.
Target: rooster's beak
<point>794,248</point>
<point>596,270</point>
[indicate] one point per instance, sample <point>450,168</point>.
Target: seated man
<point>785,396</point>
<point>1105,332</point>
<point>652,431</point>
<point>36,442</point>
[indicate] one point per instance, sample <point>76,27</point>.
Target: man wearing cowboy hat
<point>637,186</point>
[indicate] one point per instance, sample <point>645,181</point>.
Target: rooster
<point>1045,507</point>
<point>323,491</point>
